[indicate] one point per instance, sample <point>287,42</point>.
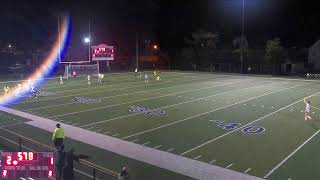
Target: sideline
<point>165,160</point>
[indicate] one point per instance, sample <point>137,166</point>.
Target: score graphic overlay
<point>102,52</point>
<point>26,164</point>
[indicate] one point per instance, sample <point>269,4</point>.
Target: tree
<point>274,52</point>
<point>201,45</point>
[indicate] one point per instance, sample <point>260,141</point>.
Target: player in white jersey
<point>89,78</point>
<point>100,77</point>
<point>61,80</point>
<point>146,78</point>
<point>33,92</point>
<point>136,72</point>
<point>307,109</point>
<point>6,89</point>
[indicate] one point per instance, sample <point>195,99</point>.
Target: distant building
<point>314,55</point>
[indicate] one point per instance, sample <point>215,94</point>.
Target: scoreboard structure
<point>26,165</point>
<point>102,52</point>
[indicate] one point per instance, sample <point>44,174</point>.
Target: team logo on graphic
<point>146,111</point>
<point>85,100</point>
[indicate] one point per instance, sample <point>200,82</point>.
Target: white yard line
<point>246,171</point>
<point>230,165</point>
<point>135,140</point>
<point>290,155</point>
<point>145,143</point>
<point>213,161</point>
<point>170,149</point>
<point>182,120</point>
<point>197,157</point>
<point>157,147</point>
<point>108,97</point>
<point>230,132</point>
<point>172,105</point>
<point>144,99</point>
<point>315,108</point>
<point>89,128</point>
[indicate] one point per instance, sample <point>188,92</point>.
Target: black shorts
<point>58,142</point>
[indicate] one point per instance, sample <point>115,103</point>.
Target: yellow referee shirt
<point>58,133</point>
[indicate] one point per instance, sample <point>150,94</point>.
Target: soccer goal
<point>72,70</point>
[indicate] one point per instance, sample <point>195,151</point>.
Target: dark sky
<point>33,24</point>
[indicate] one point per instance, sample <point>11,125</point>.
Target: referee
<point>58,136</point>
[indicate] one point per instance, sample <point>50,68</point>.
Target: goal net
<point>81,70</point>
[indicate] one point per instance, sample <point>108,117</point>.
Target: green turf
<point>192,102</point>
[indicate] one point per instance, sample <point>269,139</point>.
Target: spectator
<point>60,162</point>
<point>68,173</point>
<point>58,136</point>
<point>124,174</point>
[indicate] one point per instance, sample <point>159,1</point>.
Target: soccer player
<point>33,92</point>
<point>6,89</point>
<point>146,78</point>
<point>89,78</point>
<point>155,73</point>
<point>136,72</point>
<point>158,78</point>
<point>307,109</point>
<point>61,80</point>
<point>74,74</point>
<point>19,86</point>
<point>100,77</point>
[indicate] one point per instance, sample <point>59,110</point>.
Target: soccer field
<point>250,124</point>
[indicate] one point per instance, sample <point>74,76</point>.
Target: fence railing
<point>95,169</point>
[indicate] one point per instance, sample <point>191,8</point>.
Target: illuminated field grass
<point>245,123</point>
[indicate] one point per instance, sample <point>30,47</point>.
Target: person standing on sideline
<point>124,174</point>
<point>68,172</point>
<point>60,158</point>
<point>307,109</point>
<point>58,136</point>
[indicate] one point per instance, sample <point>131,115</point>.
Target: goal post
<point>81,70</point>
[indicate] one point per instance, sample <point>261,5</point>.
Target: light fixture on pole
<point>86,40</point>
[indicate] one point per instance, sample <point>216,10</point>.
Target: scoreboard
<point>27,165</point>
<point>102,52</point>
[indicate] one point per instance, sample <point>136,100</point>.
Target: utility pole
<point>89,44</point>
<point>242,38</point>
<point>137,51</point>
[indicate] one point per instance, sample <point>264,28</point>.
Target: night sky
<point>33,24</point>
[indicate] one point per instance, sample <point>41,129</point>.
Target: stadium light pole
<point>137,51</point>
<point>242,38</point>
<point>87,41</point>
